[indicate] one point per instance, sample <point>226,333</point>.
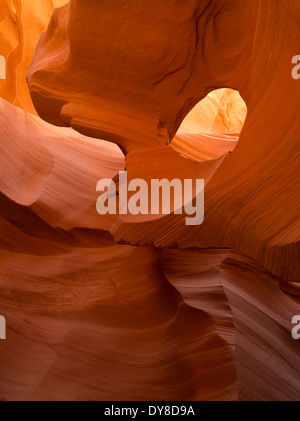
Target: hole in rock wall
<point>212,128</point>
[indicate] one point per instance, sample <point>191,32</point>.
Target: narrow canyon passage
<point>144,307</point>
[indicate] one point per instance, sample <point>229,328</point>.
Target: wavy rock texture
<point>90,318</point>
<point>21,23</point>
<point>267,358</point>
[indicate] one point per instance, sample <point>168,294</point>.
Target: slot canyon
<point>144,307</point>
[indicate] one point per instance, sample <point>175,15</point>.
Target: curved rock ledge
<point>122,307</point>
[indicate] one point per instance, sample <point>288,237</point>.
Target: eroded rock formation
<point>133,307</point>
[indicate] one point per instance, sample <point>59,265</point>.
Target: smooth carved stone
<point>129,74</point>
<point>199,313</point>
